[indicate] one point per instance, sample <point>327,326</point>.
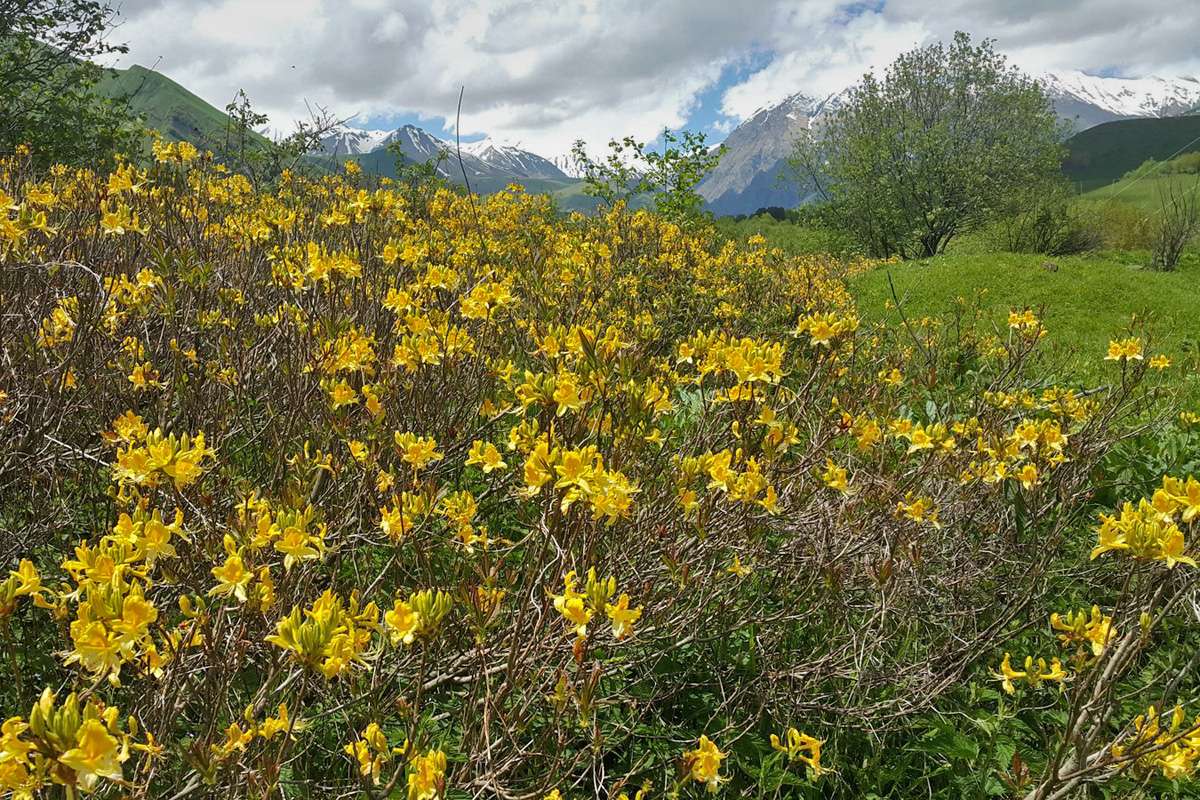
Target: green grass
<point>1089,300</point>
<point>1142,192</point>
<point>792,237</point>
<point>1102,154</point>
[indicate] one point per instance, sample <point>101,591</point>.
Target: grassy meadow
<point>1084,301</point>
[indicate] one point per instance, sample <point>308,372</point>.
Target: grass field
<point>1144,192</point>
<point>1089,300</point>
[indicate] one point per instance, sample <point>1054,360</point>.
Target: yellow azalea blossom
<point>370,751</point>
<point>418,451</point>
<point>704,764</point>
<point>799,746</point>
<point>232,578</point>
<point>94,756</point>
<point>570,604</point>
<point>486,456</point>
<point>402,623</point>
<point>1034,673</point>
<point>1124,349</point>
<point>1144,532</point>
<point>835,477</point>
<point>1093,632</point>
<point>427,776</point>
<point>623,617</point>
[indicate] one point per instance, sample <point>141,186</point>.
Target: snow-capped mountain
<point>416,143</point>
<point>486,159</point>
<point>511,158</point>
<point>748,177</point>
<point>344,140</point>
<point>753,172</point>
<point>1089,100</point>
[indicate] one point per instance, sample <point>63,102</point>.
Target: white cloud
<point>546,73</point>
<point>822,58</point>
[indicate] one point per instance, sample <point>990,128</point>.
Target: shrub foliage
<point>336,490</point>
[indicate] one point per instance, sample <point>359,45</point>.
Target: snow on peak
<point>1126,97</point>
<point>346,140</point>
<point>486,145</point>
<point>567,165</point>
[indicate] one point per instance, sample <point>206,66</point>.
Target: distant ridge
<point>1102,154</point>
<point>1121,121</point>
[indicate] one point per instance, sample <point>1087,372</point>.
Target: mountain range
<point>747,178</point>
<point>484,159</point>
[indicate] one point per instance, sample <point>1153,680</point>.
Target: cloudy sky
<point>542,73</point>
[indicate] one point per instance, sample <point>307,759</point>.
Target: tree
<point>670,176</point>
<point>48,82</point>
<point>946,141</point>
<point>263,160</point>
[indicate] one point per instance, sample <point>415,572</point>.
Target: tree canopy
<point>950,137</point>
<point>48,77</point>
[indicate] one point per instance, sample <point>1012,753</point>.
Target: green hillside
<point>1101,155</point>
<point>166,106</point>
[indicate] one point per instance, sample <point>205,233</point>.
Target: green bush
<point>1121,226</point>
<point>804,237</point>
<point>1049,223</point>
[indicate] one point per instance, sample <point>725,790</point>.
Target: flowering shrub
<point>345,489</point>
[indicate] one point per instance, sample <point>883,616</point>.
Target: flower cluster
<point>300,470</point>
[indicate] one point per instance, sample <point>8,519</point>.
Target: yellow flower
<point>623,617</point>
<point>1033,674</point>
<point>835,477</point>
<point>1093,632</point>
<point>342,394</point>
<point>402,623</point>
<point>232,578</point>
<point>1028,476</point>
<point>1007,674</point>
<point>1123,349</point>
<point>704,764</point>
<point>539,467</point>
<point>1145,532</point>
<point>296,545</point>
<point>96,648</point>
<point>370,751</point>
<point>486,456</point>
<point>919,439</point>
<point>427,776</point>
<point>801,747</point>
<point>417,450</point>
<point>566,394</point>
<point>571,605</point>
<point>94,756</point>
